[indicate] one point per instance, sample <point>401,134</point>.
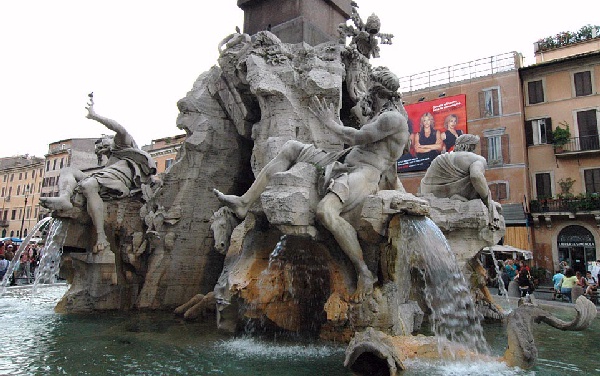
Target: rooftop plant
<point>565,38</point>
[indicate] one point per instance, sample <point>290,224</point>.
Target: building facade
<point>74,152</point>
<point>562,107</point>
<point>164,151</point>
<point>20,188</point>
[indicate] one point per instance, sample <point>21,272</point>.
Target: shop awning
<point>527,255</point>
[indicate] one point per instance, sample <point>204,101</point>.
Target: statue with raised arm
<point>460,175</point>
<point>352,174</point>
<point>128,167</point>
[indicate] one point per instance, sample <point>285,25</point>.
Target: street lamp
<point>24,211</point>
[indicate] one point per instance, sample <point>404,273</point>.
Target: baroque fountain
<point>325,243</point>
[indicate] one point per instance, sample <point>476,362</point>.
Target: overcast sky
<point>140,57</point>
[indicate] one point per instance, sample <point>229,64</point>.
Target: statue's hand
<point>90,108</point>
<point>322,110</point>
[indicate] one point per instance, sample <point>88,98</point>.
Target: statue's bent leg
<point>69,177</point>
<point>282,162</point>
<point>328,213</point>
<point>95,207</point>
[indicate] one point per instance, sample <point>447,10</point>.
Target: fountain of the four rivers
<point>324,265</point>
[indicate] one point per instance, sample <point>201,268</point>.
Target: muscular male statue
<point>353,173</point>
<point>460,175</point>
<point>127,168</point>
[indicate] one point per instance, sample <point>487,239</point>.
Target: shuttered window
<point>583,83</point>
<point>538,131</point>
<point>592,180</point>
<point>535,92</point>
<point>543,185</point>
<point>489,103</point>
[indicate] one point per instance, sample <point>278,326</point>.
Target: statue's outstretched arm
<point>122,136</point>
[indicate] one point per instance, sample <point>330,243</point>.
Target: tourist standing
<point>3,266</point>
<point>511,269</point>
<point>568,282</point>
<point>556,281</point>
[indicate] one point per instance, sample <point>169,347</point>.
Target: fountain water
<point>453,314</point>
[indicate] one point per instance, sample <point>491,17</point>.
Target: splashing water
<point>51,252</point>
<point>49,267</point>
<point>501,286</point>
<point>454,315</point>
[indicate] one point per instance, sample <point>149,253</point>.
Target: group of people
<point>430,142</point>
<point>28,261</point>
<point>518,271</point>
<point>565,279</point>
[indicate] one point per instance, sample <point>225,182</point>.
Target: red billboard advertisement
<point>435,125</point>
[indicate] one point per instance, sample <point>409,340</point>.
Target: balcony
<point>578,146</point>
<point>581,205</point>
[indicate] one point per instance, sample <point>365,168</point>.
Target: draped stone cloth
<point>444,179</point>
<point>128,168</point>
<point>336,176</point>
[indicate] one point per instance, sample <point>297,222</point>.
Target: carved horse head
<point>222,223</point>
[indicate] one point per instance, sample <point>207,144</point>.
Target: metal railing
<point>460,72</point>
<point>585,143</point>
<point>571,205</point>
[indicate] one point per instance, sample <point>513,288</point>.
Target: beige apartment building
<point>164,151</point>
<point>561,92</point>
<point>20,187</point>
<point>74,152</point>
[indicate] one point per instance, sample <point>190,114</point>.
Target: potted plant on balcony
<point>561,136</point>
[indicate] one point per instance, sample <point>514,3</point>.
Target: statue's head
<point>373,24</point>
<point>466,142</point>
<point>103,146</point>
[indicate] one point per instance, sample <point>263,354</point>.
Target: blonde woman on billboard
<point>451,133</point>
<point>428,142</point>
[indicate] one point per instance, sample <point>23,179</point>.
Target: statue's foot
<point>364,287</point>
<point>234,203</point>
<point>56,203</point>
<point>101,245</point>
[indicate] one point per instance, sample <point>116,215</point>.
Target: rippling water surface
<point>37,341</point>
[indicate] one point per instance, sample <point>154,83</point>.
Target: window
<point>47,165</point>
<point>36,212</point>
<point>499,190</point>
<point>12,177</point>
<point>33,174</point>
<point>62,162</point>
<point>583,83</point>
<point>538,131</point>
<point>20,176</point>
<point>54,165</point>
<point>28,212</point>
<point>18,190</point>
<point>4,178</point>
<point>592,180</point>
<point>587,124</point>
<point>13,214</point>
<point>535,92</point>
<point>9,191</point>
<point>543,185</point>
<point>495,147</point>
<point>168,163</point>
<point>489,102</point>
<point>3,191</point>
<point>26,172</point>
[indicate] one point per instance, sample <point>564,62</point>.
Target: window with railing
<point>587,124</point>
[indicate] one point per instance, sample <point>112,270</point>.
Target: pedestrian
<point>568,282</point>
<point>4,263</point>
<point>556,281</point>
